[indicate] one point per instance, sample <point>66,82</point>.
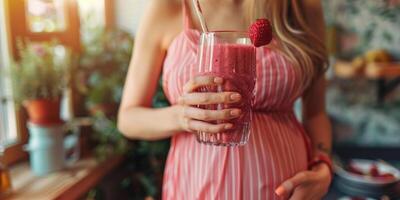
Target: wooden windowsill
<point>69,184</point>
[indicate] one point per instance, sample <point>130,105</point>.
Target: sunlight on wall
<point>128,14</point>
<point>92,12</point>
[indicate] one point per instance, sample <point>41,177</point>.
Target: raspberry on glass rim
<point>260,32</point>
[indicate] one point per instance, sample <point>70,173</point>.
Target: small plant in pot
<point>38,79</point>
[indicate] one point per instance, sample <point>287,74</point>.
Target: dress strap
<point>187,22</point>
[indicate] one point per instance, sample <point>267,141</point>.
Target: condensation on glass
<point>46,15</point>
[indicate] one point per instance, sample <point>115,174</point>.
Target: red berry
<point>260,32</point>
<point>386,176</point>
<point>373,171</point>
<point>353,169</point>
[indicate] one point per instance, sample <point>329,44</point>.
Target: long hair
<point>295,39</point>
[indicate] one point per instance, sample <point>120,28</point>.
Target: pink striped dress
<point>277,148</point>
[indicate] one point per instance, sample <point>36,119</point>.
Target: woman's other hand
<point>307,185</point>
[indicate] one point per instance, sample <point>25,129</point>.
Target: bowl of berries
<point>368,178</point>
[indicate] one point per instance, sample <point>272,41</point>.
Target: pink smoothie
<point>235,63</point>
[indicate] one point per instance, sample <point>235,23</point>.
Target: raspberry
<point>260,32</point>
<point>373,171</point>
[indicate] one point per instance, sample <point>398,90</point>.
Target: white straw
<point>199,13</point>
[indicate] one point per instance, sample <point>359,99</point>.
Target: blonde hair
<point>295,39</point>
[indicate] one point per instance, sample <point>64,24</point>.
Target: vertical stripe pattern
<point>277,148</point>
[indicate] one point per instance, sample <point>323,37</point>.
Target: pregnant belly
<point>276,149</point>
<point>275,152</point>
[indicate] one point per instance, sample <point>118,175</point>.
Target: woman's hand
<point>194,119</point>
<point>307,185</point>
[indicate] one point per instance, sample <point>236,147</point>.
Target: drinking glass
<point>230,55</point>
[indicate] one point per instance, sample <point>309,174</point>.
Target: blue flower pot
<point>47,146</point>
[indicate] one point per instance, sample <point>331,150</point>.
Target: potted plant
<point>103,66</point>
<point>38,79</point>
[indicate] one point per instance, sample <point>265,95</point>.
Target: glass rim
<point>226,31</point>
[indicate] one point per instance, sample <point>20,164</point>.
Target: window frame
<point>13,151</point>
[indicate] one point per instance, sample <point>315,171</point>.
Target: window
<point>45,15</point>
<point>8,133</point>
<point>8,128</point>
<point>40,20</point>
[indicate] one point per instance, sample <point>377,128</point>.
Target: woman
<point>274,162</point>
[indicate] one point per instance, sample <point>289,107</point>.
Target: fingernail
<point>235,112</point>
<point>284,188</point>
<point>287,186</point>
<point>218,80</point>
<point>235,97</point>
<point>280,191</point>
<point>228,126</point>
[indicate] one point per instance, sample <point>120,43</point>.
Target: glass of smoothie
<point>230,55</point>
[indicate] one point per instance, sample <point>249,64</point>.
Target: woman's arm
<point>135,118</point>
<point>315,118</point>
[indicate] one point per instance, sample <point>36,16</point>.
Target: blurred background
<point>63,65</point>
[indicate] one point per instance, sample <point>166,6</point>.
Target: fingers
<point>189,123</point>
<point>287,187</point>
<point>306,193</point>
<point>211,115</point>
<point>195,125</point>
<point>209,98</point>
<point>200,81</point>
<point>300,194</point>
<point>196,119</point>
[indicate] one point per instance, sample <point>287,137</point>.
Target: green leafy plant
<point>104,89</point>
<point>104,63</point>
<point>42,71</point>
<point>110,140</point>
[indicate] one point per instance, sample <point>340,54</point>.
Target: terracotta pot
<point>43,111</point>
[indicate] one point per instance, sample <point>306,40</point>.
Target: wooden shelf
<point>386,75</point>
<point>69,184</point>
<point>382,70</point>
<point>345,69</point>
